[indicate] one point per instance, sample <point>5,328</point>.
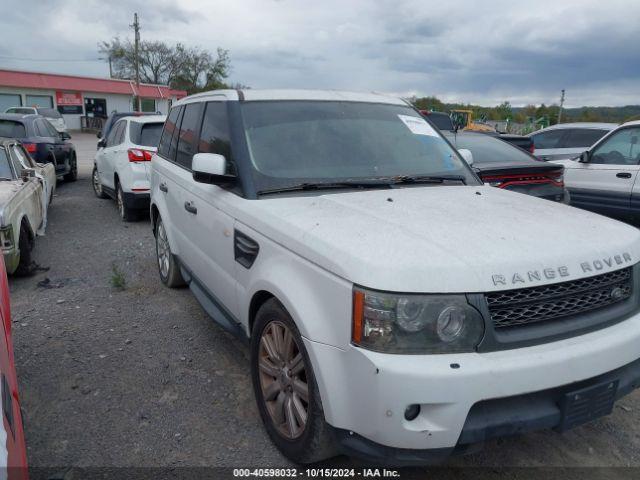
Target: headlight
<point>6,237</point>
<point>415,323</point>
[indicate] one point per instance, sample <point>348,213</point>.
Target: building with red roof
<point>76,97</point>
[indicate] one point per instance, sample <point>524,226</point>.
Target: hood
<point>445,239</point>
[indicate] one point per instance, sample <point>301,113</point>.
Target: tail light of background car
<point>30,147</point>
<point>139,155</point>
<point>555,177</point>
<point>532,148</point>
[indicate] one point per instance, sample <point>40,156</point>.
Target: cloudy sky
<point>470,51</point>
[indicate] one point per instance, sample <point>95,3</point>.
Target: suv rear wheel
<point>72,176</point>
<point>167,265</point>
<point>285,387</point>
<point>126,214</point>
<point>97,184</point>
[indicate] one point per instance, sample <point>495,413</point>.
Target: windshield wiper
<point>374,183</point>
<point>430,179</point>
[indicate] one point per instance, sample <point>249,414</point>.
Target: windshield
<point>291,142</point>
<point>5,167</point>
<point>487,149</point>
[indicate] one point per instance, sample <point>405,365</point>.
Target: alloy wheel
<point>283,380</point>
<point>163,251</point>
<point>97,186</point>
<point>120,202</point>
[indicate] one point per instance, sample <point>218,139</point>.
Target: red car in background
<point>13,454</point>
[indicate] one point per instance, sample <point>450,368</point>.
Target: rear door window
<point>550,139</point>
<point>188,131</point>
<point>12,129</point>
<point>167,133</point>
<point>41,128</point>
<point>215,137</point>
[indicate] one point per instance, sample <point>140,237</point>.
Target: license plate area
<point>586,404</point>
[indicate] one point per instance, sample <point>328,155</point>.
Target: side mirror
<point>210,168</point>
<point>102,143</point>
<point>27,173</point>
<point>467,155</point>
<point>584,157</point>
<point>65,136</point>
<point>99,134</point>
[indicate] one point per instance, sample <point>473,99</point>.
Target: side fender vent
<point>245,249</point>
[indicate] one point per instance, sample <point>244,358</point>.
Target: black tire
<point>72,176</point>
<point>126,214</point>
<point>97,184</point>
<point>168,267</point>
<point>25,244</point>
<point>315,442</point>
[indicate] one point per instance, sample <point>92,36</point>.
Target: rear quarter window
<point>169,129</point>
<point>11,129</point>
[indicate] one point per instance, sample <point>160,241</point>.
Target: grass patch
<point>117,278</point>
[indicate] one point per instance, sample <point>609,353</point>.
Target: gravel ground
<point>140,376</point>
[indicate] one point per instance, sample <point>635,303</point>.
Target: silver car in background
<point>568,140</point>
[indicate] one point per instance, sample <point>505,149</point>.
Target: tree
<point>504,111</point>
<point>190,68</point>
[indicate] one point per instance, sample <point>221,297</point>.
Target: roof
<point>263,95</point>
<point>632,122</point>
<point>145,118</point>
<point>18,116</point>
<point>600,125</point>
<point>54,81</point>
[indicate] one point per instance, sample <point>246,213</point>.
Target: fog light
<point>411,412</point>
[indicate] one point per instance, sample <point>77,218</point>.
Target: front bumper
<point>11,259</point>
<point>464,398</point>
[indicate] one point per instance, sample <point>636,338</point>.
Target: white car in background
<point>567,140</point>
<point>121,169</point>
<point>603,178</point>
<point>51,114</point>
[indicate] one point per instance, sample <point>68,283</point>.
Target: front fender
<point>318,301</point>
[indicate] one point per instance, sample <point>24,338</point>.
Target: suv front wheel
<point>285,387</point>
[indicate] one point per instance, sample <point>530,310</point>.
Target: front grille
<point>551,302</point>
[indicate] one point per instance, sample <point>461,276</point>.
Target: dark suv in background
<point>43,142</point>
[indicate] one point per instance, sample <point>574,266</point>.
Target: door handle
<point>623,175</point>
<point>190,207</point>
<point>163,187</point>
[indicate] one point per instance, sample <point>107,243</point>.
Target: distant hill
<point>598,114</point>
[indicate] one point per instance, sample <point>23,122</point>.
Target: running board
<point>212,307</point>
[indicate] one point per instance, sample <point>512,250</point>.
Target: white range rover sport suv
<point>398,310</point>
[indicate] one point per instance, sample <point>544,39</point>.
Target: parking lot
<point>140,376</point>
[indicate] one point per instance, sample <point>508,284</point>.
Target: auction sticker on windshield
<point>418,126</point>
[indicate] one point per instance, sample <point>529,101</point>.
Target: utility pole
<point>561,105</point>
<point>110,69</point>
<point>136,29</point>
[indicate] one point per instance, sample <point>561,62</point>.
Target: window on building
<point>44,101</point>
<point>8,100</point>
<point>95,107</point>
<point>148,104</point>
